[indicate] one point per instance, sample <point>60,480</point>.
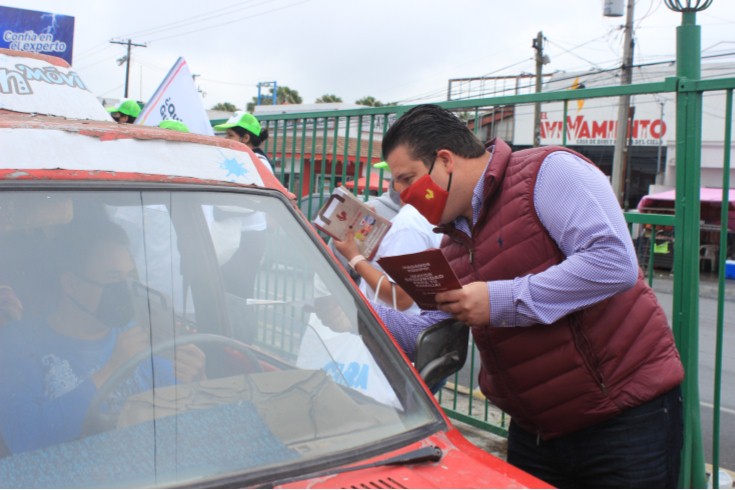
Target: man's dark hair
<point>74,243</point>
<point>71,247</point>
<point>427,128</point>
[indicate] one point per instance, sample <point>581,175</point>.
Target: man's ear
<point>446,158</point>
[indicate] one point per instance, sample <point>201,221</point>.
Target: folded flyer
<point>422,275</point>
<point>343,212</point>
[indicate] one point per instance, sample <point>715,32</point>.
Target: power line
<point>196,19</point>
<point>230,21</point>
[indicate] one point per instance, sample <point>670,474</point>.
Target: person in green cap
<point>245,128</point>
<point>125,112</point>
<point>238,271</point>
<point>174,125</point>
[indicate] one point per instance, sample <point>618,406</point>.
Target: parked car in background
<point>300,385</point>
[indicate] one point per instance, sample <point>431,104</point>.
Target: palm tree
<point>284,95</point>
<point>369,101</point>
<point>328,98</point>
<point>224,106</point>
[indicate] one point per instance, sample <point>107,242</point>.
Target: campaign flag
<point>177,98</point>
<point>37,32</point>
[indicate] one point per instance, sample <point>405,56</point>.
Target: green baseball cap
<point>128,107</point>
<point>382,164</point>
<point>172,124</point>
<point>243,119</point>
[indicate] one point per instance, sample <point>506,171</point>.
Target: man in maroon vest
<point>574,345</point>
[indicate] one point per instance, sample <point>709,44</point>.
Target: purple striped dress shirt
<point>576,205</point>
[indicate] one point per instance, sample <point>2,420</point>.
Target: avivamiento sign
<point>584,131</point>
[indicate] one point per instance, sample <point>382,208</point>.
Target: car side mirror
<point>441,350</point>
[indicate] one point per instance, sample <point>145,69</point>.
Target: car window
<point>160,337</point>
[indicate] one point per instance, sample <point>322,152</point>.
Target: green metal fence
<point>315,151</point>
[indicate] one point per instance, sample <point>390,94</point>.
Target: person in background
<point>386,205</point>
<point>125,112</point>
<point>239,271</point>
<point>573,343</point>
<point>245,128</point>
<point>409,233</point>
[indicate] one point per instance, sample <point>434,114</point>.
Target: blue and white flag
<point>177,98</point>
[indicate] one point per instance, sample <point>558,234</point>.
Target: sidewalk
<point>663,282</point>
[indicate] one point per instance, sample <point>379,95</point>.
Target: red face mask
<point>427,197</point>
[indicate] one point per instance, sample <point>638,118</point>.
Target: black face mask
<point>115,308</point>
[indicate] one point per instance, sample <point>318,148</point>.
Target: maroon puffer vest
<point>588,366</point>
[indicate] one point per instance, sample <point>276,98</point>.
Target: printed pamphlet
<point>343,212</point>
<point>422,275</point>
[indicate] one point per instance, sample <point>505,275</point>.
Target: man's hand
<point>189,362</point>
<point>331,314</point>
<point>10,306</point>
<point>469,304</point>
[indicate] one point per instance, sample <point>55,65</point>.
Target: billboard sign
<point>38,32</point>
<point>593,122</point>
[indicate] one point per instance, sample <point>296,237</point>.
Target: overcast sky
<point>394,50</point>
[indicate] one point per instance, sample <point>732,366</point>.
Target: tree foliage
<point>284,95</point>
<point>369,101</point>
<point>224,106</point>
<point>328,98</point>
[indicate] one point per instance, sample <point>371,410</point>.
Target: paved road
<point>708,316</point>
<point>707,341</point>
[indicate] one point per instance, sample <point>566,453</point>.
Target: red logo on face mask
<point>427,197</point>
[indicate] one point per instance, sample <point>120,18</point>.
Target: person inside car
<point>52,366</point>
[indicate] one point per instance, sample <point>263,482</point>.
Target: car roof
<point>51,125</point>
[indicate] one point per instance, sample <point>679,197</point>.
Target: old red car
<point>170,318</point>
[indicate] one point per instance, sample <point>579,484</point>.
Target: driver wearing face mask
<point>51,367</point>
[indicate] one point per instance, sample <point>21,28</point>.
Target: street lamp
<point>688,5</point>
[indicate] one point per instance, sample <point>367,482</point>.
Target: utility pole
<point>623,105</point>
<point>660,177</point>
<point>541,60</point>
<point>126,59</point>
<point>628,163</point>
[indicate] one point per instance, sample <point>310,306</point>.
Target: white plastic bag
<point>346,358</point>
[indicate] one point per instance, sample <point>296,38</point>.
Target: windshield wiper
<point>429,454</point>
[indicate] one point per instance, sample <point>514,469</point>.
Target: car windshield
<point>163,337</point>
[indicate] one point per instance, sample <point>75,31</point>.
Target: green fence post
<point>724,211</point>
<point>686,234</point>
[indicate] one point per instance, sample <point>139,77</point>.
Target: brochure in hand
<point>422,275</point>
<point>343,212</point>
